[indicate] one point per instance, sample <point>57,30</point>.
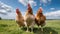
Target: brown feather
<point>19,18</point>
<point>40,18</point>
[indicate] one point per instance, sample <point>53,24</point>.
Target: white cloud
<point>49,0</point>
<point>25,2</point>
<point>2,11</point>
<point>8,16</point>
<point>6,11</point>
<point>44,2</point>
<point>32,3</point>
<point>53,15</point>
<point>52,8</point>
<point>5,8</point>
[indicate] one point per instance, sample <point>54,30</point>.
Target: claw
<point>27,31</point>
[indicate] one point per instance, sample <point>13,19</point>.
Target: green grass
<point>11,27</point>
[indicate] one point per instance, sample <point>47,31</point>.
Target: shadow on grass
<point>47,30</point>
<point>3,25</point>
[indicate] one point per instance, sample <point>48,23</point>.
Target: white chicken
<point>29,18</point>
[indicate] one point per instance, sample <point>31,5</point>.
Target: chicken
<point>29,18</point>
<point>19,18</point>
<point>40,18</point>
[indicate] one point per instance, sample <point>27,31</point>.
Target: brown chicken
<point>29,18</point>
<point>19,18</point>
<point>40,18</point>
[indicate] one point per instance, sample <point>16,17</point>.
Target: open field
<point>10,27</point>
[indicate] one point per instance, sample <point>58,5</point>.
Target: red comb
<point>28,5</point>
<point>29,8</point>
<point>17,10</point>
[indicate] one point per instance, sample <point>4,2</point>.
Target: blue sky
<point>51,8</point>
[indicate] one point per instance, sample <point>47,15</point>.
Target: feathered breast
<point>29,19</point>
<point>40,19</point>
